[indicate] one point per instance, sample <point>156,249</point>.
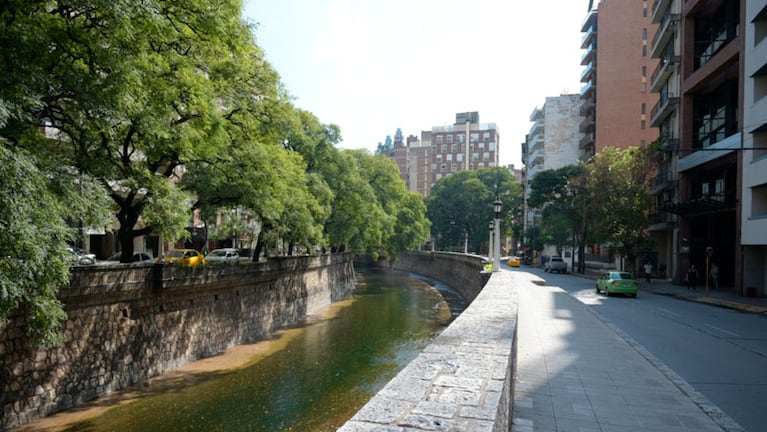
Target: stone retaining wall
<point>463,381</point>
<point>130,322</point>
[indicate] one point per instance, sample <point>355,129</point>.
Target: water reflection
<point>314,382</point>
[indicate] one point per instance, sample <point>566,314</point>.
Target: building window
<point>454,148</point>
<point>714,31</point>
<point>449,157</point>
<point>474,137</point>
<point>760,26</point>
<point>491,146</point>
<point>715,116</point>
<point>433,167</point>
<point>486,136</point>
<point>486,156</point>
<point>459,157</point>
<point>481,146</point>
<point>443,168</point>
<point>644,108</point>
<point>461,138</point>
<point>444,148</point>
<point>439,158</point>
<point>759,201</point>
<point>760,83</point>
<point>453,168</point>
<point>760,144</point>
<point>439,139</point>
<point>644,50</point>
<point>644,34</point>
<point>449,139</point>
<point>643,125</point>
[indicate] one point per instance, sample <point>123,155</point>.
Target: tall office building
<point>617,65</point>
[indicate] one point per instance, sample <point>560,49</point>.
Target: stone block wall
<point>463,381</point>
<point>127,323</point>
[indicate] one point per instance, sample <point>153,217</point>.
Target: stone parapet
<point>463,381</point>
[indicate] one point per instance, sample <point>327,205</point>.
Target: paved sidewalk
<point>577,372</point>
<point>724,296</point>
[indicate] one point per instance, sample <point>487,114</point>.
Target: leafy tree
<point>405,225</point>
<point>134,91</point>
<point>34,208</point>
<point>555,192</point>
<point>462,204</point>
<point>619,181</point>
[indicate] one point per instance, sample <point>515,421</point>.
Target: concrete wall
<point>130,322</point>
<point>463,381</point>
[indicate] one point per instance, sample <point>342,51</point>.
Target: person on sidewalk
<point>648,272</point>
<point>692,277</point>
<point>714,275</point>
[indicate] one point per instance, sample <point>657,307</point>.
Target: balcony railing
<point>586,125</point>
<point>667,27</point>
<point>666,66</point>
<point>659,8</point>
<point>667,103</point>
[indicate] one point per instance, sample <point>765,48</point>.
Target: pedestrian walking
<point>692,277</point>
<point>714,275</point>
<point>648,272</point>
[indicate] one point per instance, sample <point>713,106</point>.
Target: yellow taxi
<point>184,257</point>
<point>514,261</point>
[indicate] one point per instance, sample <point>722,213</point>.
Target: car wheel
<point>634,295</point>
<point>597,289</point>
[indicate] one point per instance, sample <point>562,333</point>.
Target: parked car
<point>184,257</point>
<point>76,258</point>
<point>514,261</point>
<point>617,283</point>
<point>137,257</point>
<point>223,255</point>
<point>555,264</point>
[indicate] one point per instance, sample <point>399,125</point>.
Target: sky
<point>372,67</point>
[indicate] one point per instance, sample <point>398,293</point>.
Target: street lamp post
<point>497,253</point>
<point>490,243</point>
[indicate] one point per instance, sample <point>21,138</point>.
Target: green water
<point>316,382</point>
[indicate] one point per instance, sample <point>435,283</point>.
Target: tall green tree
<point>133,91</point>
<point>461,205</point>
<point>619,181</point>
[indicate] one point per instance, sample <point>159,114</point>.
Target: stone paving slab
<point>577,372</point>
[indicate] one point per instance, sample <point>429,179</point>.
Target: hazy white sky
<point>374,66</point>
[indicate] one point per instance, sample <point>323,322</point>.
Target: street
<point>721,353</point>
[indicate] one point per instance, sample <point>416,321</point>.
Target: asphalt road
<point>721,352</point>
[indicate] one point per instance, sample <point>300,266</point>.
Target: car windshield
<point>622,276</point>
<point>175,254</point>
<point>217,252</point>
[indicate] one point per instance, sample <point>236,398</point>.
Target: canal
<point>310,378</point>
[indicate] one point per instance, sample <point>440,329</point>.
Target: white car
<point>223,255</point>
<point>555,264</point>
<point>137,257</point>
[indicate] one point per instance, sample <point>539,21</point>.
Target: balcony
<point>659,9</point>
<point>586,141</point>
<point>586,125</point>
<point>668,26</point>
<point>587,91</point>
<point>587,107</point>
<point>588,56</point>
<point>662,182</point>
<point>588,73</point>
<point>667,104</point>
<point>666,66</point>
<point>668,142</point>
<point>588,37</point>
<point>537,128</point>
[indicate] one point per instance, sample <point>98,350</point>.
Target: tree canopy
<point>460,206</point>
<point>140,113</point>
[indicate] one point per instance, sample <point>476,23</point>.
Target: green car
<point>617,283</point>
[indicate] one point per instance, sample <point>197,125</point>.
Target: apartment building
<point>754,189</point>
<point>710,122</point>
<point>553,142</point>
<point>665,80</point>
<point>617,66</point>
<point>442,151</point>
